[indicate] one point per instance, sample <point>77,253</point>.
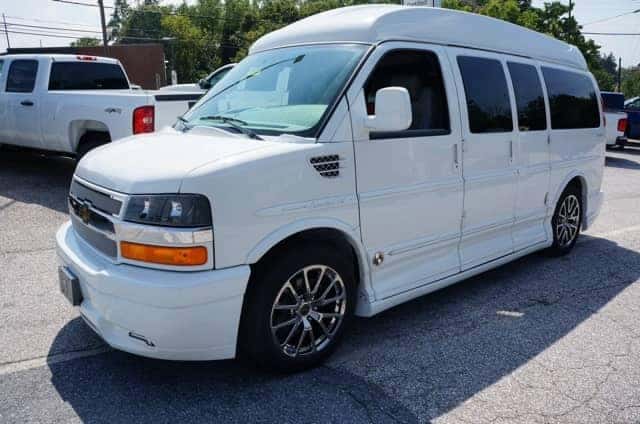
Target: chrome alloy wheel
<point>568,220</point>
<point>308,310</point>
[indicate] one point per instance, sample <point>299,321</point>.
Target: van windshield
<point>286,90</point>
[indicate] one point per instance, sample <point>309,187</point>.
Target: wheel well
<point>581,186</point>
<point>327,235</point>
<point>81,131</point>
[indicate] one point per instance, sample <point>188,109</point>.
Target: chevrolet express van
<point>352,161</point>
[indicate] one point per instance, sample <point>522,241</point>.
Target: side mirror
<point>204,84</point>
<point>393,110</point>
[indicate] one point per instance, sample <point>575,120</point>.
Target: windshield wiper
<point>236,123</point>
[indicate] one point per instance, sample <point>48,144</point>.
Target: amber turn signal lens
<point>178,256</point>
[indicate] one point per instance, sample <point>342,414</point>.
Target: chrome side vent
<point>328,166</point>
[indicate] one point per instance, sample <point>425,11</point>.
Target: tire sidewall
<point>266,284</point>
<point>556,248</point>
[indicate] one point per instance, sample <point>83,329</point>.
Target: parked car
<point>204,84</point>
<point>71,104</point>
<point>615,118</point>
<point>632,107</point>
<point>357,159</point>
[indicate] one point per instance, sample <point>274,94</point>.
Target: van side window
<point>22,76</point>
<point>572,99</point>
<point>419,72</point>
<point>529,97</point>
<point>485,87</point>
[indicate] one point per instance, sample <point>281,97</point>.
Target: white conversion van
<point>352,161</point>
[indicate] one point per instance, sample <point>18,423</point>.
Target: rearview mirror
<point>204,84</point>
<point>393,110</point>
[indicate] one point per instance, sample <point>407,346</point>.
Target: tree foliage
<point>86,42</point>
<point>201,36</point>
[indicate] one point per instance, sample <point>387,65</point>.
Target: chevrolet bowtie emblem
<point>84,213</point>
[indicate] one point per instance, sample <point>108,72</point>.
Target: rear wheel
<point>566,221</point>
<point>299,307</point>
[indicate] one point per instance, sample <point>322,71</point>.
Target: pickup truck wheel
<point>299,308</point>
<point>566,222</point>
<point>90,141</point>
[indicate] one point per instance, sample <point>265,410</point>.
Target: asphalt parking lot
<point>539,340</point>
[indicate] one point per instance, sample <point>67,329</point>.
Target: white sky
<point>53,14</point>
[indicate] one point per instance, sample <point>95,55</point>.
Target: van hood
<point>157,163</point>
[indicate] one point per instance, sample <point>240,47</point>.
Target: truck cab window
<point>22,76</point>
<point>419,72</point>
<point>87,76</point>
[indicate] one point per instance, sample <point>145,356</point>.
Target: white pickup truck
<point>71,104</point>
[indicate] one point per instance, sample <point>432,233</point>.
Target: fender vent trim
<point>327,166</point>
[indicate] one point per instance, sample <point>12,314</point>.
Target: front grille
<point>90,211</point>
<point>89,217</point>
<point>97,240</point>
<point>100,201</point>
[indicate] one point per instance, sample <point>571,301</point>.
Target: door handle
<point>26,103</point>
<point>456,162</point>
<point>511,150</point>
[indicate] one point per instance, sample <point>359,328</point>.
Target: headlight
<point>173,210</point>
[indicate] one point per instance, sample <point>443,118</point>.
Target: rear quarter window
<point>87,76</point>
<point>572,99</point>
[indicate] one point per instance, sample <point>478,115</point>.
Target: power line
<point>41,34</point>
<point>612,33</point>
<point>79,3</point>
<point>11,24</point>
<point>49,21</point>
<point>612,17</point>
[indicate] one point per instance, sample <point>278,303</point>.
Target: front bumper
<point>182,315</point>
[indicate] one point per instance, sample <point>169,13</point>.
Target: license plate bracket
<point>69,286</point>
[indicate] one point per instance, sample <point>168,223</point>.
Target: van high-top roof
<point>372,24</point>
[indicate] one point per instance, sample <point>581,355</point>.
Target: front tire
<point>299,305</point>
<point>566,221</point>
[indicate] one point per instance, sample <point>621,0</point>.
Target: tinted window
<point>214,78</point>
<point>1,65</point>
<point>87,76</point>
<point>633,105</point>
<point>612,101</point>
<point>485,87</point>
<point>572,99</point>
<point>418,72</point>
<point>529,97</point>
<point>22,76</point>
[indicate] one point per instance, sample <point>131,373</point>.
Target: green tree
<point>86,42</point>
<point>118,17</point>
<point>631,82</point>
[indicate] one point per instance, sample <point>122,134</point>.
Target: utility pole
<point>619,75</point>
<point>6,32</point>
<point>570,7</point>
<point>104,28</point>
